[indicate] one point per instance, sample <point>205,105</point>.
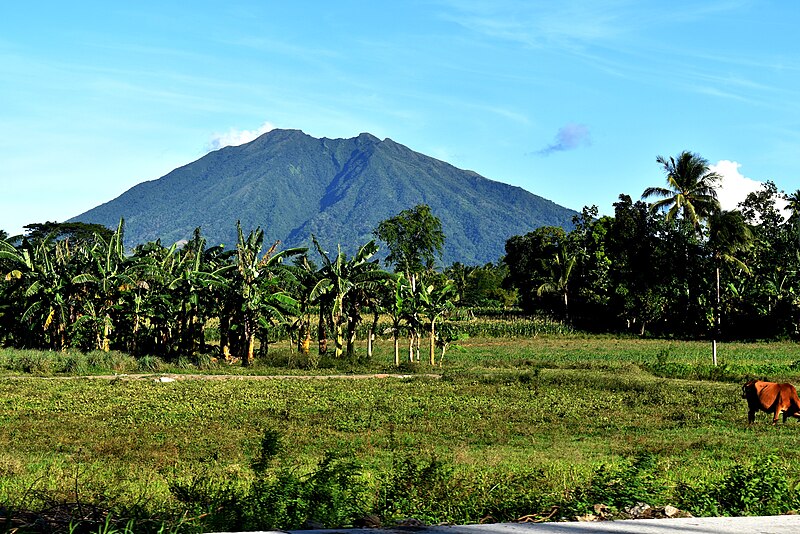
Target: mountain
<point>293,185</point>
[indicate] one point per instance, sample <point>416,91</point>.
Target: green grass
<point>538,419</point>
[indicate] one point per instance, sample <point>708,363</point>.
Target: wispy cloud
<point>569,137</point>
<point>536,26</point>
<point>234,137</point>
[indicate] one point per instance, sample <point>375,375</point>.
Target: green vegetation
<point>510,415</point>
<point>510,428</point>
<point>693,271</point>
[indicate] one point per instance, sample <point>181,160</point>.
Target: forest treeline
<point>678,266</point>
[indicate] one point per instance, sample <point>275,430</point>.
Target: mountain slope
<point>292,185</point>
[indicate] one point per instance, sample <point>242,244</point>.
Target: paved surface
<point>782,524</point>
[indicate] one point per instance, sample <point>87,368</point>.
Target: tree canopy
<point>414,238</point>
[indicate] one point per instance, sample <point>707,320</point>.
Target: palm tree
<point>728,234</point>
<point>690,189</point>
<point>397,297</point>
<point>41,272</point>
<point>306,274</point>
<point>106,276</point>
<point>560,272</point>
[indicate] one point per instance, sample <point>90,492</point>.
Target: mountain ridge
<point>293,185</point>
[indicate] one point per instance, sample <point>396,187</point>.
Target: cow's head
<point>749,384</point>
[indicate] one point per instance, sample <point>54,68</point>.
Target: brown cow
<point>772,398</point>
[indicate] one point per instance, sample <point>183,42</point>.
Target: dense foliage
<point>657,269</point>
<point>679,267</point>
<point>58,292</point>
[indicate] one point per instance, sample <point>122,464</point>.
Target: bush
<point>331,495</point>
<point>757,489</point>
<point>150,364</point>
<point>618,487</point>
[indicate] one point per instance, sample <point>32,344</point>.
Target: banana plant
<point>253,285</point>
<point>40,272</point>
<point>435,302</point>
<point>395,306</point>
<point>106,275</point>
<point>343,282</point>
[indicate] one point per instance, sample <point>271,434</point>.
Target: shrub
<point>150,364</point>
<point>757,489</point>
<point>760,488</point>
<point>618,487</point>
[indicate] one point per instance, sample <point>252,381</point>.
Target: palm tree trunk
<point>396,348</point>
<point>250,338</point>
<point>106,333</point>
<point>251,343</point>
<point>322,333</point>
<point>306,346</point>
<point>716,324</point>
<point>371,336</point>
<point>224,326</point>
<point>351,339</point>
<point>433,342</point>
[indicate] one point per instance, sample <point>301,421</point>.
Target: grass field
<point>508,427</point>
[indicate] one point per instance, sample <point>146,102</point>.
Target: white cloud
<point>734,187</point>
<point>235,137</point>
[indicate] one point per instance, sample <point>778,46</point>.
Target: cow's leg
<point>775,417</point>
<point>751,416</point>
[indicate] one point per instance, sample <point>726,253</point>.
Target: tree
<point>436,300</point>
<point>528,259</point>
<point>39,276</point>
<point>257,294</point>
<point>643,269</point>
<point>690,189</point>
<point>74,231</point>
<point>345,282</point>
<point>414,238</point>
<point>793,205</point>
<point>728,234</point>
<point>691,193</point>
<point>106,278</point>
<point>306,273</point>
<point>560,267</point>
<point>769,295</point>
<point>397,298</point>
<point>482,285</point>
<point>590,280</point>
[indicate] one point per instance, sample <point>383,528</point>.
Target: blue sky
<point>570,100</point>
